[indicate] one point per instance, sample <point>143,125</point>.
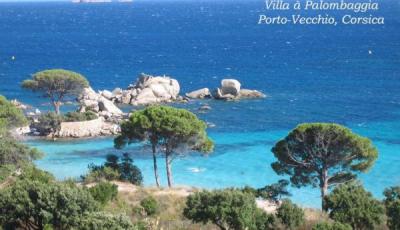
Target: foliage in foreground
<point>104,192</point>
<point>228,209</point>
<point>331,226</point>
<point>150,205</point>
<point>102,220</point>
<point>13,154</point>
<point>115,169</point>
<point>323,155</point>
<point>290,214</point>
<point>392,204</point>
<point>36,201</point>
<point>33,204</point>
<point>10,115</point>
<point>352,204</point>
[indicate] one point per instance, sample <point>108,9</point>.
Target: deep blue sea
<point>345,74</point>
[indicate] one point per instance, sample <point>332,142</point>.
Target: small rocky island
<point>230,90</point>
<point>98,113</point>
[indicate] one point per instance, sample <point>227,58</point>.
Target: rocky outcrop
<point>199,94</point>
<point>230,90</point>
<point>145,91</point>
<point>90,100</point>
<point>93,128</point>
<point>230,87</point>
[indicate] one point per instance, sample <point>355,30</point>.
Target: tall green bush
<point>104,192</point>
<point>392,204</point>
<point>353,205</point>
<point>290,214</point>
<point>228,209</point>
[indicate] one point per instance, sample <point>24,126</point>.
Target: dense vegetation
<point>353,205</point>
<point>228,209</point>
<point>392,204</point>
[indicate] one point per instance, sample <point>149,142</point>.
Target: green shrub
<point>290,214</point>
<point>351,204</point>
<point>12,152</point>
<point>392,204</point>
<point>77,116</point>
<point>264,220</point>
<point>331,226</point>
<point>101,220</point>
<point>101,173</point>
<point>31,173</point>
<point>6,171</point>
<point>104,192</point>
<point>34,203</point>
<point>149,205</point>
<point>228,209</point>
<point>10,115</point>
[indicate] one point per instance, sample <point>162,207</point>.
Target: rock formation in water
<point>147,90</point>
<point>230,90</point>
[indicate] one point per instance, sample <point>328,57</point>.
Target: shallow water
<point>239,159</point>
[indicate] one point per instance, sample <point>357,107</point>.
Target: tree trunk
<point>56,105</point>
<point>324,189</point>
<point>168,165</point>
<point>155,166</point>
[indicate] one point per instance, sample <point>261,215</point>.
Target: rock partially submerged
<point>230,87</point>
<point>199,94</point>
<point>230,90</point>
<point>147,90</point>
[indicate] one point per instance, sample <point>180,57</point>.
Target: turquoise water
<point>239,159</point>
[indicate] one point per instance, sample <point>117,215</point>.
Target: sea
<point>347,74</point>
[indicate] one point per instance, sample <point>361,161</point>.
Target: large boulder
<point>145,97</point>
<point>96,102</point>
<point>231,90</point>
<point>230,86</point>
<point>199,94</point>
<point>148,90</point>
<point>88,94</point>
